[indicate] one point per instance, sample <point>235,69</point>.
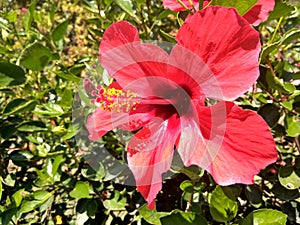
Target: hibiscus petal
<point>247,145</point>
<point>138,118</point>
<point>259,12</point>
<point>197,147</point>
<point>117,35</point>
<point>102,121</point>
<point>126,59</point>
<point>174,5</point>
<point>189,71</point>
<point>150,154</point>
<point>227,44</point>
<point>191,145</point>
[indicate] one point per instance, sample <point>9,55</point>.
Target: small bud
<point>24,10</point>
<point>88,86</point>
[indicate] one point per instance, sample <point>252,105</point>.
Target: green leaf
<point>28,206</point>
<point>11,74</point>
<point>293,129</point>
<point>67,98</point>
<point>48,167</point>
<point>91,174</point>
<point>10,180</point>
<point>270,113</point>
<point>95,21</point>
<point>164,14</point>
<point>232,191</point>
<point>32,126</point>
<point>167,36</point>
<point>285,194</point>
<point>4,50</point>
<point>49,109</point>
<point>76,69</point>
<point>281,9</point>
<point>275,83</point>
<point>296,76</point>
<point>81,190</point>
<point>72,130</point>
<point>36,57</point>
<point>10,107</point>
<point>223,208</point>
<point>7,215</point>
<point>267,50</point>
<point>68,76</point>
<point>18,197</point>
<point>44,178</point>
<point>18,106</point>
<point>28,18</point>
<point>59,32</point>
<point>265,217</point>
<point>57,161</point>
<point>151,216</point>
<point>52,12</point>
<point>11,16</point>
<point>7,131</point>
<point>183,218</point>
<point>289,177</point>
<point>91,207</point>
<point>290,88</point>
<point>187,186</point>
<point>290,35</point>
<point>21,157</point>
<point>242,6</point>
<point>59,130</point>
<point>118,202</point>
<point>44,206</point>
<point>108,2</point>
<point>42,195</point>
<point>254,195</point>
<point>288,105</point>
<point>139,3</point>
<point>5,80</point>
<point>126,5</point>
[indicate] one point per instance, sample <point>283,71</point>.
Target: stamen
<point>115,100</point>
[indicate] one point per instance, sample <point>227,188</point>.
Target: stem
<point>189,203</point>
<point>192,175</point>
<point>17,34</point>
<point>276,29</point>
<point>192,4</point>
<point>99,6</point>
<point>297,144</point>
<point>200,4</point>
<point>50,154</point>
<point>271,68</point>
<point>184,6</point>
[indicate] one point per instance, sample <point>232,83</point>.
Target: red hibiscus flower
<point>257,14</point>
<point>182,5</point>
<point>161,97</point>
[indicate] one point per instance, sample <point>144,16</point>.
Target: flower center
<point>115,100</point>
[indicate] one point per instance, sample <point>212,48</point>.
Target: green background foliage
<point>44,177</point>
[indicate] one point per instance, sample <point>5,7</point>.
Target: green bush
<point>45,177</point>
